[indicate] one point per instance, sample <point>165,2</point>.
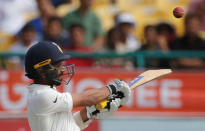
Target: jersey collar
<point>39,87</point>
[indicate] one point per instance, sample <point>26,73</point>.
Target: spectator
<point>76,37</point>
<point>14,14</point>
<point>197,7</point>
<point>90,22</point>
<point>46,11</point>
<point>112,39</point>
<point>166,35</point>
<point>26,39</point>
<point>55,32</point>
<point>121,40</point>
<point>127,41</point>
<point>150,39</point>
<point>190,41</point>
<point>151,43</point>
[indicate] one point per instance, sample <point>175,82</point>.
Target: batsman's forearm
<point>90,97</point>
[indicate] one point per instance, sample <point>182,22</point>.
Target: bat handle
<point>101,105</point>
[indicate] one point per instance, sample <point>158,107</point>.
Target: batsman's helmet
<point>40,57</point>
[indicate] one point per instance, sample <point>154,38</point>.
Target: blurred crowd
<point>80,29</point>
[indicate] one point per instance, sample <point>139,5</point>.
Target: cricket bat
<point>143,78</point>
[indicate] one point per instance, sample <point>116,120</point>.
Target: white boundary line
<point>12,115</point>
<point>161,114</point>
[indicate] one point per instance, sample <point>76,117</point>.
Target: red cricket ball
<point>178,12</point>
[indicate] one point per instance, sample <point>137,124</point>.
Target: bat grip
<point>103,104</point>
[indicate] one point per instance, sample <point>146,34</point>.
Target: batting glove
<point>124,91</point>
<point>112,107</point>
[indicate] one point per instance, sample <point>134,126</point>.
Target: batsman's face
<point>65,72</point>
<point>59,66</point>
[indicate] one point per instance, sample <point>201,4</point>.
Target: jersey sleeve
<point>52,102</point>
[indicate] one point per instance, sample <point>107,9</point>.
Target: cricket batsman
<point>50,110</point>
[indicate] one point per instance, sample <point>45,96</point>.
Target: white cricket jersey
<point>50,110</point>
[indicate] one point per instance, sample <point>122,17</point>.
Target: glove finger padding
<point>115,103</point>
<point>105,113</point>
<point>124,88</point>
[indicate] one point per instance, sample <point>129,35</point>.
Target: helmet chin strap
<point>56,82</point>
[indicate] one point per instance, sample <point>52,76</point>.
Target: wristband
<point>112,89</point>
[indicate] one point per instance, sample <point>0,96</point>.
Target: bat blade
<point>148,76</point>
